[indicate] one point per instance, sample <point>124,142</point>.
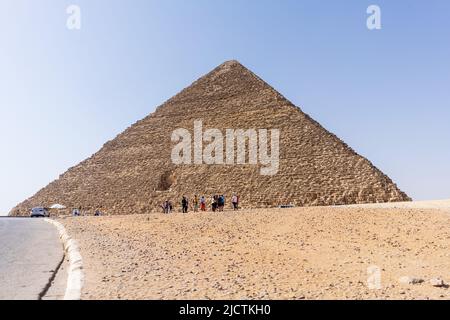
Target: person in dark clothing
<point>167,207</point>
<point>221,202</point>
<point>214,203</point>
<point>185,204</point>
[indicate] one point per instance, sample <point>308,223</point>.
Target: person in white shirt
<point>235,202</point>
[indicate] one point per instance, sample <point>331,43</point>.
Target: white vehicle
<point>39,213</point>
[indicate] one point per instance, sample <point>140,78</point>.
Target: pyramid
<point>135,173</point>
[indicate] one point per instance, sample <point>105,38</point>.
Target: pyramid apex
<point>230,63</point>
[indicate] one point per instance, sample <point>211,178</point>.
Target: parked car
<point>39,213</point>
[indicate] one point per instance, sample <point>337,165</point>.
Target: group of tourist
<point>76,212</point>
<point>217,203</point>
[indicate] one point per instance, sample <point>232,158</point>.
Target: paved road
<point>30,251</point>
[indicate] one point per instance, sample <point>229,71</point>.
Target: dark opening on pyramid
<point>134,173</point>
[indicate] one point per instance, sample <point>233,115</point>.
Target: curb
<point>75,274</point>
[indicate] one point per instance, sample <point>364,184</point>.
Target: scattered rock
<point>410,280</point>
<point>174,253</point>
<point>437,282</point>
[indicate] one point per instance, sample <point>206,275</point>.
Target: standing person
<point>203,203</point>
<point>195,203</point>
<point>166,207</point>
<point>234,201</point>
<point>214,203</point>
<point>221,203</point>
<point>185,204</point>
<point>224,202</point>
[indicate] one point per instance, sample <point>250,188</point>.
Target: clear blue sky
<point>64,93</point>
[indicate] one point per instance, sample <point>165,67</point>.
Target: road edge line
<point>75,274</point>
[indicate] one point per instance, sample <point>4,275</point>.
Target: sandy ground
<point>435,204</point>
<point>301,253</point>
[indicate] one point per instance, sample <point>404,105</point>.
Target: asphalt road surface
<point>30,252</point>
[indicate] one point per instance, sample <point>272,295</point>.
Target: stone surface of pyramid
<point>134,172</point>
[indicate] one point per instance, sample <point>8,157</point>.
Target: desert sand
<point>299,253</point>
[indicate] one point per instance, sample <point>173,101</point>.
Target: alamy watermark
<point>374,278</point>
<point>374,20</point>
<point>213,147</point>
<point>73,22</point>
<point>74,19</point>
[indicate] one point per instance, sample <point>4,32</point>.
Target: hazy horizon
<point>66,92</point>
